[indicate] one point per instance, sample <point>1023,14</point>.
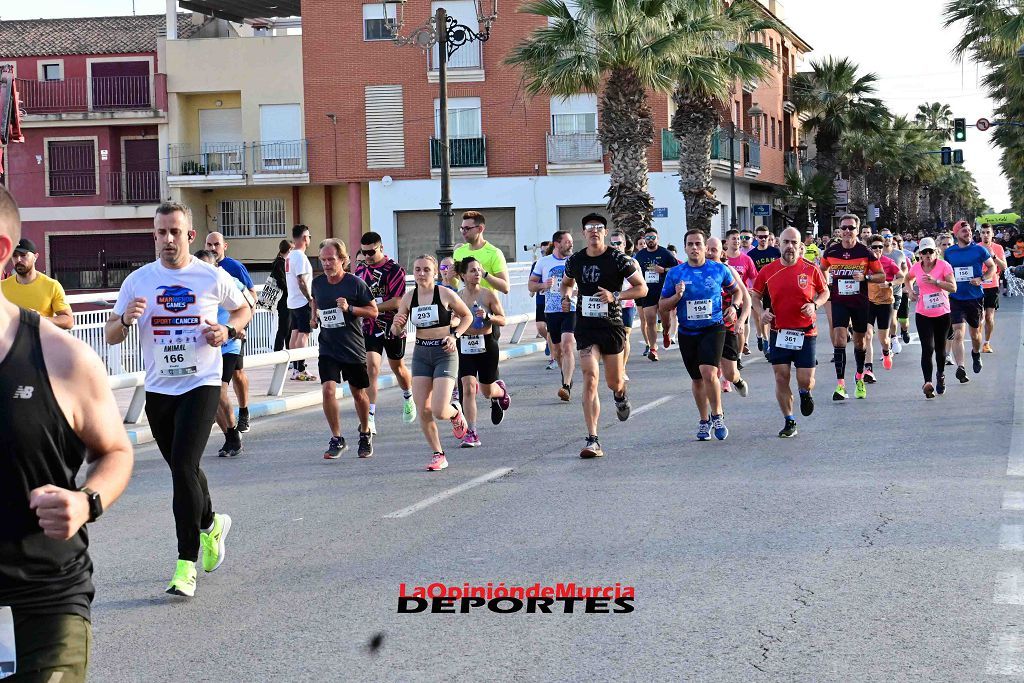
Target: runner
<point>694,289</point>
<point>899,323</point>
<point>28,288</point>
<point>298,275</point>
<point>174,300</point>
<point>972,264</point>
<point>945,241</point>
<point>339,300</point>
<point>448,277</point>
<point>729,372</point>
<point>546,281</point>
<point>435,357</point>
<point>865,235</point>
<point>744,266</point>
<point>538,316</point>
<point>491,258</point>
<point>478,351</point>
<point>59,413</point>
<point>600,335</point>
<point>934,279</point>
<point>881,296</point>
<point>746,240</point>
<point>386,280</point>
<point>812,253</point>
<point>990,287</point>
<point>849,265</point>
<point>654,262</point>
<point>619,241</point>
<point>762,254</point>
<point>277,282</point>
<point>799,290</point>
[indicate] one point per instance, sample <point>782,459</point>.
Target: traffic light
<point>959,130</point>
<point>947,156</point>
<point>958,156</point>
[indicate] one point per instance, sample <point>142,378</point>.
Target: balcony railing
<point>719,146</point>
<point>792,162</point>
<point>101,93</point>
<point>210,158</point>
<point>287,156</point>
<point>574,148</point>
<point>752,153</point>
<point>133,187</point>
<point>463,152</point>
<point>469,56</point>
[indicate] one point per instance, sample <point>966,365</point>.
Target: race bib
<point>848,286</point>
<point>425,316</point>
<point>379,300</point>
<point>790,339</point>
<point>556,288</point>
<point>8,655</point>
<point>698,309</point>
<point>963,273</point>
<point>270,295</point>
<point>331,318</point>
<point>472,345</point>
<point>933,301</point>
<point>652,276</point>
<point>593,307</point>
<point>176,356</point>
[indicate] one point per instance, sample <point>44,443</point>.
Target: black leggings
<point>181,426</point>
<point>932,333</point>
<point>284,318</point>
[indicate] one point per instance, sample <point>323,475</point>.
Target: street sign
<point>983,124</point>
<point>762,209</point>
<point>660,212</point>
<point>877,212</point>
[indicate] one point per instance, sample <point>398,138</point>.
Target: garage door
<point>417,233</point>
<point>100,260</point>
<point>569,218</point>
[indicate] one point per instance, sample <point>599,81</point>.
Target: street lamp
<point>444,31</point>
<point>755,112</point>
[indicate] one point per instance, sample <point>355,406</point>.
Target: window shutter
<point>385,127</point>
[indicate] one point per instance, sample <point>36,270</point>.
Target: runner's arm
<point>744,294</point>
<point>495,311</point>
<point>314,318</point>
<point>402,316</point>
<point>368,311</point>
<point>63,319</point>
<point>303,280</point>
<point>535,284</point>
<point>638,290</point>
<point>667,304</point>
<point>756,304</point>
<point>988,269</point>
<point>498,280</point>
<point>458,308</point>
<point>947,283</point>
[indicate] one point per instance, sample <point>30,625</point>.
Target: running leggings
<point>181,426</point>
<point>932,332</point>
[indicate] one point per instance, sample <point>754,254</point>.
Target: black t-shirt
<point>590,272</point>
<point>341,334</point>
<point>660,257</point>
<point>762,257</point>
<point>277,272</point>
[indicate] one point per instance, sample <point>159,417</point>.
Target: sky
<point>901,41</point>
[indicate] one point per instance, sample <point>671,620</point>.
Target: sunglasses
<point>927,251</point>
<point>877,247</point>
<point>848,227</point>
<point>616,244</point>
<point>368,252</point>
<point>745,238</point>
<point>593,228</point>
<point>651,238</point>
<point>464,228</point>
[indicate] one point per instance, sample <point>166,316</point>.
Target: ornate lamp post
<point>444,31</point>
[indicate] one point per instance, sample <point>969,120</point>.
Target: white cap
<point>926,243</point>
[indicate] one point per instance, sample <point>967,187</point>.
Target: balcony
<point>208,165</point>
<point>119,97</point>
<point>467,156</point>
<point>751,157</point>
<point>575,153</point>
<point>279,162</point>
<point>465,66</point>
<point>719,150</point>
<point>133,187</point>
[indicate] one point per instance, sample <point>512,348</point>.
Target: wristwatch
<point>616,295</point>
<point>231,332</point>
<point>95,504</point>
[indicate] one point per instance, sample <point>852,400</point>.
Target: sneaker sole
<point>469,445</point>
<point>807,410</point>
<point>589,454</point>
<point>437,469</point>
<point>174,590</point>
<point>564,395</point>
<point>220,545</point>
<point>787,436</point>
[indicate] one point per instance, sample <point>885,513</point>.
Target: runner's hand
<point>566,304</point>
<point>314,321</point>
<point>240,335</point>
<point>551,284</point>
<point>858,276</point>
<point>767,318</point>
<point>659,269</point>
<point>400,321</point>
<point>449,344</point>
<point>135,309</point>
<point>729,314</point>
<point>61,512</point>
<point>342,304</point>
<point>680,288</point>
<point>605,295</point>
<point>976,281</point>
<point>216,335</point>
<point>809,310</point>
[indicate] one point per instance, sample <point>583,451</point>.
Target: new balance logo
<point>23,392</point>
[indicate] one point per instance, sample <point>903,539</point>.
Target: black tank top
<point>38,575</point>
<point>444,316</point>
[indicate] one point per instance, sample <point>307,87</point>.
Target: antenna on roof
<point>133,8</point>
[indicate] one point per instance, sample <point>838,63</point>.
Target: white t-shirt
<point>175,354</point>
<point>548,267</point>
<point>295,266</point>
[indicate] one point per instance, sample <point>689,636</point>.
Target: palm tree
<point>838,99</point>
<point>934,115</point>
<point>621,49</point>
<point>719,54</point>
<point>802,193</point>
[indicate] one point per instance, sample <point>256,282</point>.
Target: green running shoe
<point>409,411</point>
<point>862,390</point>
<point>212,543</point>
<point>184,580</point>
<point>840,393</point>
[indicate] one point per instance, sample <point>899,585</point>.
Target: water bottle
<point>478,323</point>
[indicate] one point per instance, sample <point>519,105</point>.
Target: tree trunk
<point>924,209</point>
<point>627,130</point>
<point>826,163</point>
<point>858,191</point>
<point>693,125</point>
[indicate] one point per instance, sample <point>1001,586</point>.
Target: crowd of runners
<point>191,308</point>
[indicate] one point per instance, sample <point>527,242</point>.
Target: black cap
<point>26,245</point>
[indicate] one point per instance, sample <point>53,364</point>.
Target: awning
<point>240,10</point>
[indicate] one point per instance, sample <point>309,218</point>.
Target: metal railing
<point>133,187</point>
<point>752,153</point>
<point>279,157</point>
<point>792,161</point>
<point>468,56</point>
<point>464,152</point>
<point>100,93</point>
<point>574,148</point>
<point>210,158</point>
<point>719,146</point>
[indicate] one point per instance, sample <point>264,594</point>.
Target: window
<point>463,118</point>
<point>385,126</point>
<point>53,72</point>
<point>253,218</point>
<point>375,22</point>
<point>281,144</point>
<point>774,142</point>
<point>574,115</point>
<point>71,168</point>
<point>98,261</point>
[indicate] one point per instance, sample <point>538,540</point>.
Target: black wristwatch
<point>95,504</point>
<point>231,332</point>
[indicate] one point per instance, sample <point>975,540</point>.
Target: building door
<point>141,179</point>
<point>120,85</point>
<point>100,260</point>
<point>570,219</point>
<point>417,233</point>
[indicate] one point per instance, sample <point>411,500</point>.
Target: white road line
<point>1013,500</point>
<point>482,479</point>
<point>1006,655</point>
<point>1015,460</point>
<point>653,404</point>
<point>1010,587</point>
<point>1011,537</point>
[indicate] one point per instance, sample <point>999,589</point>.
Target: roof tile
<point>86,35</point>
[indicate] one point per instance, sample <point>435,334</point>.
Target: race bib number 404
<point>472,345</point>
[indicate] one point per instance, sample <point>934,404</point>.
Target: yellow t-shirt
<point>490,257</point>
<point>44,295</point>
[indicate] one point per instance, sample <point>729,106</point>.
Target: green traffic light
<point>959,130</point>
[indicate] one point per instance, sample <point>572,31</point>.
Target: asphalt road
<point>872,547</point>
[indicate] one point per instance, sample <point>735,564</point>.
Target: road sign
<point>660,212</point>
<point>983,124</point>
<point>762,209</point>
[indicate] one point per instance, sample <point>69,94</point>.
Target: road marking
<point>1010,587</point>
<point>1015,460</point>
<point>482,479</point>
<point>1011,537</point>
<point>653,404</point>
<point>1013,500</point>
<point>1006,655</point>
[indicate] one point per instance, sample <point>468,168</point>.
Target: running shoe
<point>365,445</point>
<point>547,349</point>
<point>647,349</point>
<point>660,327</point>
<point>897,347</point>
<point>760,344</point>
<point>408,411</point>
<point>471,440</point>
<point>625,377</point>
<point>371,423</point>
<point>653,355</point>
<point>211,543</point>
<point>746,350</point>
<point>721,431</point>
<point>739,363</point>
<point>869,376</point>
<point>887,362</point>
<point>293,373</point>
<point>334,448</point>
<point>726,386</point>
<point>940,385</point>
<point>437,462</point>
<point>704,430</point>
<point>806,404</point>
<point>789,430</point>
<point>665,341</point>
<point>840,393</point>
<point>986,348</point>
<point>949,359</point>
<point>497,414</point>
<point>505,399</point>
<point>906,336</point>
<point>961,374</point>
<point>184,580</point>
<point>861,389</point>
<point>458,421</point>
<point>305,377</point>
<point>976,357</point>
<point>565,392</point>
<point>622,406</point>
<point>929,390</point>
<point>742,388</point>
<point>552,365</point>
<point>243,420</point>
<point>592,449</point>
